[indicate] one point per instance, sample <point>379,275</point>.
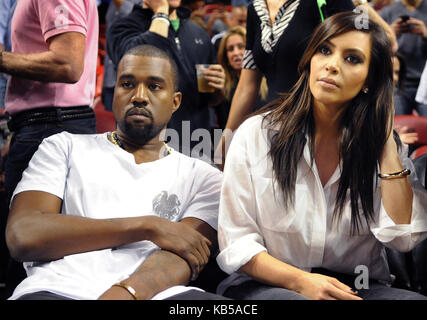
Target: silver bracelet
<point>399,174</point>
<point>161,18</point>
<point>160,15</point>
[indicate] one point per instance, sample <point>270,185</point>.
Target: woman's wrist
<point>390,162</point>
<point>297,281</point>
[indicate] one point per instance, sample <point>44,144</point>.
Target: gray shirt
<point>413,47</point>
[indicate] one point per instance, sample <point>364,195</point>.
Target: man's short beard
<point>139,135</point>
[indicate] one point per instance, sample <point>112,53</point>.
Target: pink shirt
<point>34,22</point>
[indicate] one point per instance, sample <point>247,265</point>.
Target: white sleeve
<point>205,196</point>
<point>239,236</point>
<point>48,168</point>
<point>404,237</point>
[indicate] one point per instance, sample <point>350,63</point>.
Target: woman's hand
<point>319,287</point>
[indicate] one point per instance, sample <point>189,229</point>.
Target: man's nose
<point>140,96</point>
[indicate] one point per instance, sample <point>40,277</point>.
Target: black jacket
<point>189,46</point>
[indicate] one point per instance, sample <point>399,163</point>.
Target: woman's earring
<point>365,90</point>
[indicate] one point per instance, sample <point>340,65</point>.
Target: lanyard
<point>320,5</point>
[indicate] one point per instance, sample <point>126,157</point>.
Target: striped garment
<point>270,34</point>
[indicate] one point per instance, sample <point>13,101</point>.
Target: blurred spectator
<point>116,9</point>
<point>198,14</point>
<point>408,19</point>
<point>237,17</point>
<point>373,14</point>
<point>379,4</point>
<point>245,3</point>
<point>399,71</point>
<point>196,7</point>
<point>52,84</point>
<point>230,56</point>
<point>422,88</point>
<point>217,20</point>
<point>7,7</point>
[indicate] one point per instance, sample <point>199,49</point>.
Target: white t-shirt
<point>253,218</point>
<point>97,179</point>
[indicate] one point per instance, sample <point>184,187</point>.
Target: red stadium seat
<point>414,123</point>
<point>104,120</point>
<point>419,152</point>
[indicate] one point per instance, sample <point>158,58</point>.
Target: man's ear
<point>177,97</point>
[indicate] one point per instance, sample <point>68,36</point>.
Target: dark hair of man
<point>146,50</point>
<point>364,127</point>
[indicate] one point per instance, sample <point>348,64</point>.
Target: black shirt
<point>280,65</point>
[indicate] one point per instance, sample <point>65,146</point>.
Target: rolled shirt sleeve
<point>404,237</point>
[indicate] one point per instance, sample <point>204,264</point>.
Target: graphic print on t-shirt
<point>166,206</point>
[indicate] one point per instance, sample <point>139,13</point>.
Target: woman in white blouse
<point>314,186</point>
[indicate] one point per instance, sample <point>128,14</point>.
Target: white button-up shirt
<point>253,218</point>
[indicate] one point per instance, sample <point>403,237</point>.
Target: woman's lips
<point>328,83</point>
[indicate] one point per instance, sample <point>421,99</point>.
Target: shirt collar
<point>307,158</point>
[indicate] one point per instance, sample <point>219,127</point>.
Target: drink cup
<point>202,83</point>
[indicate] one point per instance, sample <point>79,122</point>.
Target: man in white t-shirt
<point>117,215</point>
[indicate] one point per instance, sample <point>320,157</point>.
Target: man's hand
<point>406,135</point>
<point>413,25</point>
<point>215,76</point>
<point>164,269</point>
<point>157,5</point>
<point>184,241</point>
<point>399,26</point>
<point>220,14</point>
<point>417,27</point>
<point>63,62</point>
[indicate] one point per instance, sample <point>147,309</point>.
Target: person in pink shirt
<point>53,72</point>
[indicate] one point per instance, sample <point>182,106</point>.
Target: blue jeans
<point>404,102</point>
<point>24,144</point>
<point>3,84</point>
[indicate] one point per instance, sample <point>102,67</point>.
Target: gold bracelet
<point>395,175</point>
<point>128,288</point>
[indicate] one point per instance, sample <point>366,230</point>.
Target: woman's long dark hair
<point>364,128</point>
